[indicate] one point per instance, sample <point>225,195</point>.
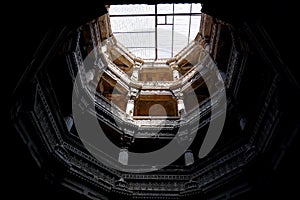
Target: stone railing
<point>268,118</point>
<point>88,169</point>
<point>113,114</point>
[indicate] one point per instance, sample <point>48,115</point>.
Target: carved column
<point>207,47</point>
<point>90,75</point>
<point>181,107</point>
<point>69,122</point>
<point>135,71</point>
<point>127,139</point>
<point>132,94</point>
<point>174,66</point>
<point>242,123</point>
<point>136,67</point>
<point>188,158</point>
<point>123,156</point>
<point>175,72</point>
<point>206,28</point>
<point>130,107</point>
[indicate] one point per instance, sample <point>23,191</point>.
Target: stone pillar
<point>207,47</point>
<point>175,75</point>
<point>123,156</point>
<point>188,158</point>
<point>69,122</point>
<point>205,29</point>
<point>242,123</point>
<point>181,107</point>
<point>174,67</point>
<point>130,107</point>
<point>135,74</point>
<point>223,75</point>
<point>90,75</point>
<point>136,67</point>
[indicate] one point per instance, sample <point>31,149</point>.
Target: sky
<point>137,33</point>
